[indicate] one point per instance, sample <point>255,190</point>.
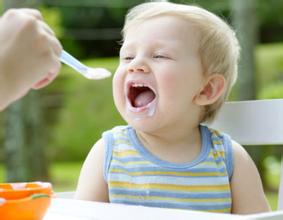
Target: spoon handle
<point>71,61</point>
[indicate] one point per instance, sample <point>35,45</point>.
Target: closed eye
<point>159,56</point>
<point>128,58</point>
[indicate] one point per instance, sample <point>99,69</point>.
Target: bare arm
<point>91,184</point>
<point>247,191</point>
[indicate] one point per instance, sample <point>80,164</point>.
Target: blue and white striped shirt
<point>135,176</point>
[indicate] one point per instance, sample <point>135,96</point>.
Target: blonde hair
<point>219,47</point>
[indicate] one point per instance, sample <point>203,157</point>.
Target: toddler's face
<point>159,74</point>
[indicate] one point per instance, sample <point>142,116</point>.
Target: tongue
<point>144,98</point>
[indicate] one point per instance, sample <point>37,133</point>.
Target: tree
<point>24,138</point>
<point>245,21</point>
<point>246,25</point>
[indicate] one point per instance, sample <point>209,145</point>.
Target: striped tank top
<point>135,176</point>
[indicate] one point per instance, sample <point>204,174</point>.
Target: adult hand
<point>29,55</point>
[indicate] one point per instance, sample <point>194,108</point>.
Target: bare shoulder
<point>91,184</point>
<point>97,150</point>
<point>247,190</point>
<point>240,153</point>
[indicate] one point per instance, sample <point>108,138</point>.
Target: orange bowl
<point>24,201</point>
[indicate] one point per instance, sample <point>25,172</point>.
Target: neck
<point>173,145</point>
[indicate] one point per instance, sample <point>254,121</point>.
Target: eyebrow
<point>156,45</point>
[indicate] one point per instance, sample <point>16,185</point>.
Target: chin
<point>148,124</point>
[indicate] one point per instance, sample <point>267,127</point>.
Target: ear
<point>211,91</point>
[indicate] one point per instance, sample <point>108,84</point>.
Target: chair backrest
<point>258,122</point>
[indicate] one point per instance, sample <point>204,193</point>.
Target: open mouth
<point>140,95</point>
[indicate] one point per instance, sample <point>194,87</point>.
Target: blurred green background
<point>71,113</point>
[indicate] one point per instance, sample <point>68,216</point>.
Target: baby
<point>177,66</point>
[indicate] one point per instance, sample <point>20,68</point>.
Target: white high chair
<point>258,122</point>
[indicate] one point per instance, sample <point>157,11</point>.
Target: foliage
<point>269,64</point>
<point>93,25</point>
<point>270,71</point>
<point>270,12</point>
<point>1,6</point>
<point>52,17</point>
<point>64,175</point>
<point>272,91</point>
<point>87,112</point>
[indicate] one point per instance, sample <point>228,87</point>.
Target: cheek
<point>118,89</point>
<point>170,85</point>
<point>179,86</point>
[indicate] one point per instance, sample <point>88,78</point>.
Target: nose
<point>139,65</point>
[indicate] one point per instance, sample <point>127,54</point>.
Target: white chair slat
<point>258,122</point>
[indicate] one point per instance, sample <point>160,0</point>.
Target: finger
<point>25,12</point>
<point>46,27</point>
<point>52,40</point>
<point>33,12</point>
<point>49,43</point>
<point>48,78</point>
<point>44,82</point>
<point>55,45</point>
